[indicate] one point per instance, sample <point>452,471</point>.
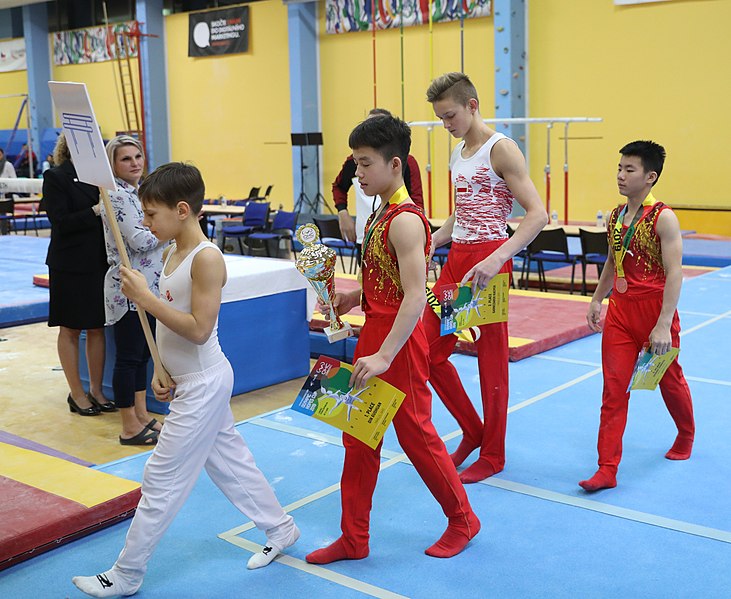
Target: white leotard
<point>178,355</point>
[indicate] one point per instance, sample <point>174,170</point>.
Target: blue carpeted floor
<point>665,531</point>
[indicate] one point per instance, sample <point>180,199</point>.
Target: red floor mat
<point>536,322</point>
<point>46,501</point>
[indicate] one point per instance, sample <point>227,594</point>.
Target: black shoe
<point>145,437</point>
<point>73,407</point>
<point>104,407</point>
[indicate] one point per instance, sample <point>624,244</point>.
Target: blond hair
<point>120,141</point>
<point>452,86</point>
<point>61,152</point>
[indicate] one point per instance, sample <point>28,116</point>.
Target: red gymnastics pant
<point>628,325</point>
<point>416,434</point>
<point>492,361</point>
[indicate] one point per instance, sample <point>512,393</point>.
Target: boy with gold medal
<point>644,269</point>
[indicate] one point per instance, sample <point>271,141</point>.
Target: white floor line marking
<point>308,434</point>
<point>692,313</point>
<point>677,525</point>
<point>567,360</point>
<point>553,391</point>
<point>611,510</point>
<point>697,379</point>
<point>397,459</point>
<point>321,572</point>
<point>706,323</point>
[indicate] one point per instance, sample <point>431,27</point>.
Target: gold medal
<point>621,285</point>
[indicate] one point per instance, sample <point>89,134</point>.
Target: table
<point>573,230</point>
<point>263,326</point>
<point>220,210</point>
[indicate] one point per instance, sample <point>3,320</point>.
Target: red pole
<point>373,17</point>
<point>565,195</point>
<point>136,34</point>
<point>566,174</point>
<point>548,168</point>
<point>429,131</point>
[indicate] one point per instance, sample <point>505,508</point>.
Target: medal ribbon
<point>399,196</point>
<point>620,244</point>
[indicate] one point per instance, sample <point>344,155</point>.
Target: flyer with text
<point>463,310</point>
<point>363,413</point>
<point>650,368</point>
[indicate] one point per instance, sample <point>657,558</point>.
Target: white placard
<point>82,132</point>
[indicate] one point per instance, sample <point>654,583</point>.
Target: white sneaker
<point>270,551</point>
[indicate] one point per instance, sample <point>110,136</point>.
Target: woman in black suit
<point>76,262</point>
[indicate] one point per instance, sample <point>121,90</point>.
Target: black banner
<point>224,31</point>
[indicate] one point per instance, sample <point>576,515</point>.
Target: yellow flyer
<point>650,368</point>
<point>463,310</point>
<point>363,413</point>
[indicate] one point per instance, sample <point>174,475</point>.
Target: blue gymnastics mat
<point>665,531</point>
<point>21,257</point>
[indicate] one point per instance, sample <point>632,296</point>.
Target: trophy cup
<point>317,263</point>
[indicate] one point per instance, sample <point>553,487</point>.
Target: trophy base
<point>336,335</point>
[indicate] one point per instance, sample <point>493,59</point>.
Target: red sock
<point>333,553</point>
<point>463,451</point>
<point>455,538</point>
<point>480,470</point>
<point>680,450</point>
<point>601,480</point>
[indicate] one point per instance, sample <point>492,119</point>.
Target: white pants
<point>198,432</point>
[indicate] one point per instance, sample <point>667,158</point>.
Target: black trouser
<point>130,366</point>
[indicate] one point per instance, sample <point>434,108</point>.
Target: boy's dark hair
<point>172,183</point>
<point>651,155</point>
<point>379,112</point>
<point>387,135</point>
<point>454,86</point>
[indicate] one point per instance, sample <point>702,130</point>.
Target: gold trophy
<point>317,263</point>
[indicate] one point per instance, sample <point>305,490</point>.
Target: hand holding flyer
<point>463,310</point>
<point>650,368</point>
<point>363,413</point>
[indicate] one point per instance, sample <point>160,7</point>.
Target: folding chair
<point>282,227</point>
<point>331,237</point>
<point>551,245</point>
<point>255,218</point>
<point>521,254</point>
<point>594,250</point>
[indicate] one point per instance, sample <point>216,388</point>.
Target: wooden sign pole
<point>162,374</point>
<point>92,166</point>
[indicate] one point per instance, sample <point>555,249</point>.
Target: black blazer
<point>77,236</point>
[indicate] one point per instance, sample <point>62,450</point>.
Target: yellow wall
<point>230,115</point>
<point>100,78</point>
<point>346,74</point>
<point>651,71</point>
<point>657,71</point>
<point>14,82</point>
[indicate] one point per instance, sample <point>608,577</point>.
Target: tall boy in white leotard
<point>199,431</point>
<point>488,173</point>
